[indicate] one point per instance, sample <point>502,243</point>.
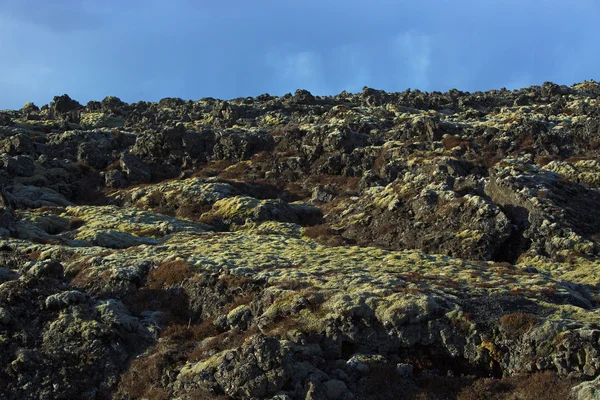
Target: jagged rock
<point>5,119</point>
<point>93,155</point>
<point>335,389</point>
<point>21,196</point>
<point>113,105</point>
<point>135,169</point>
<point>46,268</point>
<point>65,299</point>
<point>239,318</point>
<point>7,275</point>
<point>7,221</point>
<point>66,108</point>
<point>260,368</point>
<point>302,96</point>
<point>454,232</point>
<point>241,145</point>
<point>29,109</point>
<point>19,165</point>
<point>15,141</point>
<point>587,390</point>
<point>115,179</point>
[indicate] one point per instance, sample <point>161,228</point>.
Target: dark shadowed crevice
<point>517,243</point>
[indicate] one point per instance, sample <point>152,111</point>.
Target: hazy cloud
<point>353,66</point>
<point>414,52</point>
<point>302,69</point>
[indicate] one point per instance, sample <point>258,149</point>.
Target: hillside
<point>360,246</point>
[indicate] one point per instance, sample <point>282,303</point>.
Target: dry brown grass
<point>205,394</point>
<point>452,141</point>
<point>152,231</point>
<point>76,223</point>
<point>526,144</point>
<point>316,231</point>
<point>114,166</point>
<point>451,207</point>
<point>335,183</point>
<point>234,281</point>
<point>545,385</point>
<point>516,324</point>
<point>185,332</point>
<point>240,300</point>
<point>542,161</point>
<point>142,379</point>
<point>169,273</point>
<point>84,168</point>
<point>380,162</point>
<point>192,211</point>
<point>285,130</point>
<point>323,234</point>
<point>214,168</point>
<point>52,209</point>
<point>224,341</point>
<point>236,172</point>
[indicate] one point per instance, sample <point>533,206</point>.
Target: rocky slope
<point>362,246</point>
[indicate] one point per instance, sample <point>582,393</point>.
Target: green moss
<point>100,120</point>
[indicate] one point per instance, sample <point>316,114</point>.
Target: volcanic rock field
<point>360,246</point>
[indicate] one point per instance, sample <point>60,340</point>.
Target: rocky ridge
<point>373,245</point>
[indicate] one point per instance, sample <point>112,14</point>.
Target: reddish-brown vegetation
<point>516,324</point>
<point>169,273</point>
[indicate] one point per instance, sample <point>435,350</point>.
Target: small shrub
<point>336,183</point>
<point>317,231</point>
<point>380,162</point>
<point>224,341</point>
<point>155,199</point>
<point>324,235</point>
<point>451,142</point>
<point>543,160</point>
<point>285,130</point>
<point>170,273</point>
<point>51,209</point>
<point>516,324</point>
<point>237,301</point>
<point>237,171</point>
<point>142,378</point>
<point>152,231</point>
<point>234,281</point>
<point>527,145</point>
<point>205,394</point>
<point>192,211</point>
<point>193,332</point>
<point>542,194</point>
<point>212,169</point>
<point>84,168</point>
<point>76,223</point>
<point>544,385</point>
<point>114,166</point>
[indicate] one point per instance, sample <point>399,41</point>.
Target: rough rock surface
<point>360,246</point>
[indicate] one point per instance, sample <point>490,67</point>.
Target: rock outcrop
<point>359,246</point>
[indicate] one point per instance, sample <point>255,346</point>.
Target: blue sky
<point>147,50</point>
